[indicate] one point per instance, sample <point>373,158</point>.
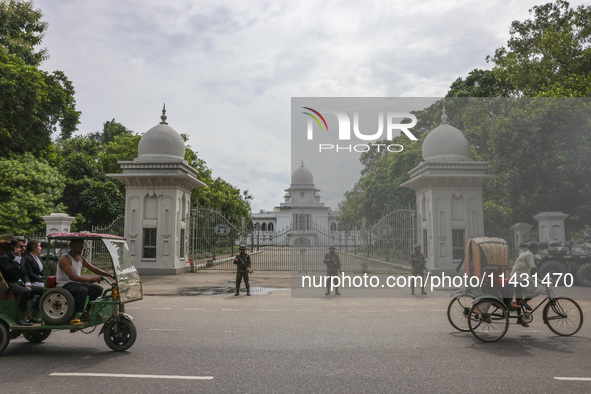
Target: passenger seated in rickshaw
<point>69,276</point>
<point>12,267</point>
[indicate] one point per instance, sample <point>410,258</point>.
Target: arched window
<point>333,227</point>
<point>264,227</point>
<point>270,228</point>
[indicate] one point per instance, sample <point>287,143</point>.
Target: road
<point>273,343</point>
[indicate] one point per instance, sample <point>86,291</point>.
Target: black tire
<point>551,267</point>
<point>563,316</point>
<point>458,311</point>
<point>56,306</point>
<point>489,320</point>
<point>4,337</point>
<point>120,334</point>
<point>15,334</point>
<point>583,274</point>
<point>36,336</point>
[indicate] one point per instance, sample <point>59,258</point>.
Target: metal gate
<point>96,250</point>
<point>213,239</point>
<point>382,248</point>
<point>390,242</point>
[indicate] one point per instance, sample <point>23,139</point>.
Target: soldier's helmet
<point>417,246</point>
<point>242,247</point>
<point>331,247</point>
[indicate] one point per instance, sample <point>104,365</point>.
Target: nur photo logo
<point>349,128</point>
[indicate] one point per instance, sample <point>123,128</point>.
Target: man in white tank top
<point>69,276</point>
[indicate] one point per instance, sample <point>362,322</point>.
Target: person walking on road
<point>333,267</point>
<point>243,266</point>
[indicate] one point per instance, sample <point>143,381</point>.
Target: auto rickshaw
<point>56,305</point>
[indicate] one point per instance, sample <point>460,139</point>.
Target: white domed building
<point>158,185</point>
<point>448,186</point>
<point>302,213</point>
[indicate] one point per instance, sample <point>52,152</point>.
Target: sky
<point>227,70</point>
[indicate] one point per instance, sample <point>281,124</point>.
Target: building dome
<point>446,143</point>
<point>161,143</point>
<point>302,176</point>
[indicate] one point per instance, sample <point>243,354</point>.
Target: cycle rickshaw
<point>485,310</point>
<point>56,305</point>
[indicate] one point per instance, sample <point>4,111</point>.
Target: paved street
<point>271,343</point>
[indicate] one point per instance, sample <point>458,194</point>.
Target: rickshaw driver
<point>524,267</point>
<point>69,277</point>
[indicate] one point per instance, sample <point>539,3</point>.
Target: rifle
<point>421,263</point>
<point>333,264</point>
<point>246,268</point>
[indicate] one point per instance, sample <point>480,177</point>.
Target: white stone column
<point>551,226</point>
<point>521,233</point>
<point>58,223</point>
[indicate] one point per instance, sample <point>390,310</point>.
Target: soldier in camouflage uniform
<point>243,266</point>
<point>333,266</point>
<point>417,260</point>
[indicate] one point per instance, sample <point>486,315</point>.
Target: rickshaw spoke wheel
<point>36,336</point>
<point>120,334</point>
<point>458,311</point>
<point>563,316</point>
<point>489,320</point>
<point>4,337</point>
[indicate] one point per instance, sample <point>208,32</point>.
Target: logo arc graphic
<point>315,118</point>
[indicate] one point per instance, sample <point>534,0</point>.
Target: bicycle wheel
<point>489,320</point>
<point>563,316</point>
<point>459,310</point>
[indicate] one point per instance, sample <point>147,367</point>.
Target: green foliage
<point>29,190</point>
<point>539,148</point>
<point>21,29</point>
<point>546,50</point>
<point>33,103</point>
<point>478,83</point>
<point>112,129</point>
<point>123,147</point>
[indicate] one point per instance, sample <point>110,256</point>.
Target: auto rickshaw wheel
<point>4,337</point>
<point>36,336</point>
<point>56,306</point>
<point>15,334</point>
<point>120,334</point>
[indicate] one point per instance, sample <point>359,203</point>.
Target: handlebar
<point>107,280</point>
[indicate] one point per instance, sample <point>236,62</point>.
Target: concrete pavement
<point>173,284</point>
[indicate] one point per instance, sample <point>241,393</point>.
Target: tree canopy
<point>28,191</point>
<point>538,147</point>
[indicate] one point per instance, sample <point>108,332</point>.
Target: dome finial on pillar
<point>163,116</point>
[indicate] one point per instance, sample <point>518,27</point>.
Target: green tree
<point>21,30</point>
<point>34,104</point>
<point>30,188</point>
<point>112,129</point>
<point>123,147</point>
<point>478,83</point>
<point>551,48</point>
